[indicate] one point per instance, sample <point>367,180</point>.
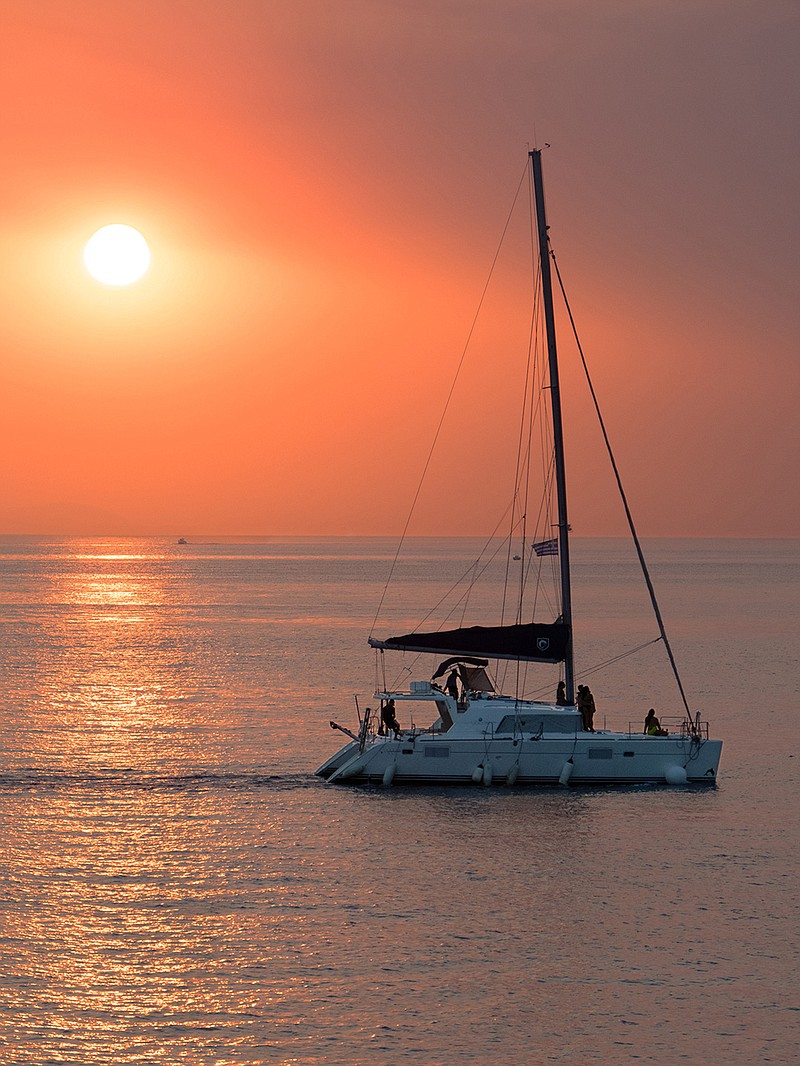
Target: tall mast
<point>555,400</point>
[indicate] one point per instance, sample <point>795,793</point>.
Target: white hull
<point>533,758</point>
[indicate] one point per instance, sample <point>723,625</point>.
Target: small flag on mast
<point>546,547</point>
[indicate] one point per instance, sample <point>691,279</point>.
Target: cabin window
<point>519,723</point>
<point>600,753</point>
<point>436,751</point>
<point>444,714</point>
<point>535,723</point>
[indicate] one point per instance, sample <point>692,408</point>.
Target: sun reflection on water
<point>120,678</point>
<point>151,915</point>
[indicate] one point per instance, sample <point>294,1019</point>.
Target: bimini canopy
<point>471,671</point>
<point>532,641</point>
<point>442,668</point>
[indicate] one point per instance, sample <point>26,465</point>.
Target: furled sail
<point>533,641</point>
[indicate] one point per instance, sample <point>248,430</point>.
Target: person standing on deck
<point>583,706</point>
<point>590,707</point>
<point>452,684</point>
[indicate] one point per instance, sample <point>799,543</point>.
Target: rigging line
<point>541,530</point>
<point>463,577</point>
<point>527,431</point>
<point>449,398</point>
<point>547,454</point>
<point>628,515</point>
<point>465,597</point>
<point>530,406</point>
<point>603,665</point>
<point>536,394</point>
<point>617,658</point>
<point>519,467</point>
<point>543,506</point>
<point>479,574</point>
<point>529,562</point>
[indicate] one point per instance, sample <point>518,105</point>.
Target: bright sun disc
<point>116,255</point>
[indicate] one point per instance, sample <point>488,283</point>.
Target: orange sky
<point>323,187</point>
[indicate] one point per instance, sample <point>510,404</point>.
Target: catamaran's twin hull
<point>601,758</point>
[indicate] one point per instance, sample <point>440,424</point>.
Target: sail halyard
<point>558,433</point>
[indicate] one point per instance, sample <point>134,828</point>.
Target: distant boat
<point>182,540</point>
<point>479,734</point>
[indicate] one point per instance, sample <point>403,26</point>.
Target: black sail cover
<point>533,641</point>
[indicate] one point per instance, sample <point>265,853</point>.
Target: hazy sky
<point>323,187</point>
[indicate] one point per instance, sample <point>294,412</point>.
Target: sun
<point>117,255</point>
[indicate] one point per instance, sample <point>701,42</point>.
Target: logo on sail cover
<point>543,643</point>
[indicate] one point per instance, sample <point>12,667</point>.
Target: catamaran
<point>480,735</point>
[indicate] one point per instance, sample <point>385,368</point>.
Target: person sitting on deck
<point>389,723</point>
<point>652,726</point>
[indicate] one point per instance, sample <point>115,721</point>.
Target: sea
<point>177,886</point>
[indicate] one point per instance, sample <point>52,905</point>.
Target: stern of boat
<point>337,760</point>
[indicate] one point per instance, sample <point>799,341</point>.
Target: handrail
<point>679,727</point>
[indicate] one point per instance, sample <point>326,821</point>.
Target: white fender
<point>566,772</point>
<point>477,774</point>
<point>676,775</point>
<point>487,773</point>
<point>512,774</point>
<point>388,774</point>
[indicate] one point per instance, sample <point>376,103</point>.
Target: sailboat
<point>478,735</point>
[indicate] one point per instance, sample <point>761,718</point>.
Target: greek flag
<point>546,547</point>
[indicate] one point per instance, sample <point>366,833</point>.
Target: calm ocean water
<point>177,886</point>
